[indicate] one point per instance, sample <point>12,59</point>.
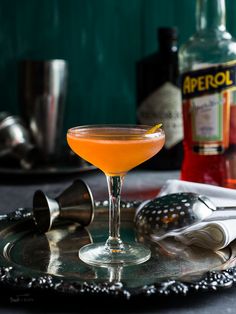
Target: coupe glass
<point>115,149</point>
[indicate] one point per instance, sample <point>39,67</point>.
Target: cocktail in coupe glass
<point>115,149</point>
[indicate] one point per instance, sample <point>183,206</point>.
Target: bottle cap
<point>167,34</point>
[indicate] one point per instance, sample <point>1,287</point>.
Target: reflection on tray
<point>51,249</point>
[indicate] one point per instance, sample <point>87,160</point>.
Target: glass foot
<point>97,254</point>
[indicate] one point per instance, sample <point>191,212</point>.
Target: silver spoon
<point>173,212</point>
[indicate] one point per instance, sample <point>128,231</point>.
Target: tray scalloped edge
<point>213,281</point>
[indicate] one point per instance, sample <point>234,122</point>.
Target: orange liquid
<point>114,151</point>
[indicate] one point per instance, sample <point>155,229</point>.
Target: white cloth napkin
<point>217,230</point>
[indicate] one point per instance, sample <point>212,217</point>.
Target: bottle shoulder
<point>149,59</point>
<point>207,47</point>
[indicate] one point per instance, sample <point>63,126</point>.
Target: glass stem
<point>114,242</point>
<point>115,274</point>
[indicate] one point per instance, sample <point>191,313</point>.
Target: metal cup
<point>15,140</point>
<point>75,203</point>
<point>43,87</point>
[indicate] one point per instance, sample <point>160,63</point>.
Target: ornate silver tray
<point>34,263</point>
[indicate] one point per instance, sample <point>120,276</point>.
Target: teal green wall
<point>101,39</point>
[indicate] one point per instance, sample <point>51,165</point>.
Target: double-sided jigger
<point>75,203</point>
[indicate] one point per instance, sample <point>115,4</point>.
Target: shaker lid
<point>6,120</point>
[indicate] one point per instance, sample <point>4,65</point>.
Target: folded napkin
<point>214,232</point>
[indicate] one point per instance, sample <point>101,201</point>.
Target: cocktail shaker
<point>42,88</point>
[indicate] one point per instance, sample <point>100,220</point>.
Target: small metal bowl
<point>15,140</point>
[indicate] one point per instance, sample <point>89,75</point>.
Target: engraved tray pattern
<point>49,263</point>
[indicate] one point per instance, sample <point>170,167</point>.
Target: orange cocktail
<point>115,149</point>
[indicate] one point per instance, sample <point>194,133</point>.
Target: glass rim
<point>158,133</point>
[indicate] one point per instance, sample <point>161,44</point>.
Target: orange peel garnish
<point>154,128</point>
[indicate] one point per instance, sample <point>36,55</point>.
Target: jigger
<point>75,203</point>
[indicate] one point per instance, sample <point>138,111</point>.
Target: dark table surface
<point>17,191</point>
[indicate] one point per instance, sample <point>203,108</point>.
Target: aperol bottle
<point>208,76</point>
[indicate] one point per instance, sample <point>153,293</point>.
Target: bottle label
<point>209,80</point>
<point>206,97</point>
<point>164,106</point>
<point>232,135</point>
<point>207,118</point>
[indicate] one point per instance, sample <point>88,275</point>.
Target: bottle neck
<point>210,15</point>
<point>168,48</point>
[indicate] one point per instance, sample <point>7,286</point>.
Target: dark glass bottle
<point>159,99</point>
